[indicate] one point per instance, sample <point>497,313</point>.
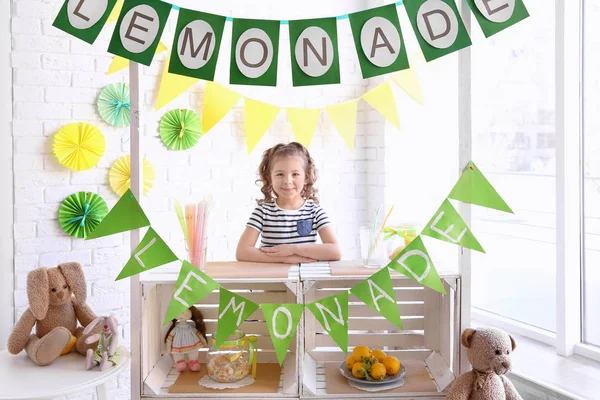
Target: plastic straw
<point>376,241</point>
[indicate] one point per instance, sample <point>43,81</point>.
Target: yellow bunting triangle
<point>218,100</point>
<point>304,122</point>
<point>343,116</point>
<point>258,116</point>
<point>171,86</point>
<point>382,99</point>
<point>120,63</point>
<point>408,81</point>
<point>114,14</point>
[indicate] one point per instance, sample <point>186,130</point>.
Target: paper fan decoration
<point>119,175</point>
<point>81,212</point>
<point>79,146</point>
<point>113,105</point>
<point>180,129</point>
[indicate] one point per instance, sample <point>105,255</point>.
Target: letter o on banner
<point>91,11</point>
<point>314,51</point>
<point>437,24</point>
<point>380,41</point>
<point>254,53</point>
<point>196,44</point>
<point>139,28</point>
<point>496,10</point>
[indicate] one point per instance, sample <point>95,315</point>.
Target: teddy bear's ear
<point>466,337</point>
<point>73,274</point>
<point>512,342</point>
<point>37,292</point>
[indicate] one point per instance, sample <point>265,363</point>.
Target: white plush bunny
<point>107,352</point>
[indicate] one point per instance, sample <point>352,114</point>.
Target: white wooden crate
<point>430,339</point>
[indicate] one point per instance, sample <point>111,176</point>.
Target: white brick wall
<point>57,79</point>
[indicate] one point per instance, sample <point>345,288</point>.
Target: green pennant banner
<point>447,225</point>
<point>495,16</point>
<point>282,321</point>
<point>332,314</point>
<point>126,215</point>
<point>233,311</point>
<point>254,52</point>
<point>138,30</point>
<point>378,41</point>
<point>377,291</point>
<point>192,285</point>
<point>314,51</point>
<point>473,188</point>
<point>84,19</point>
<point>196,44</point>
<point>438,27</point>
<point>152,252</point>
<point>415,263</point>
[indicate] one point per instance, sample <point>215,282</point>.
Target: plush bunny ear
<point>91,325</point>
<point>113,325</point>
<point>38,292</point>
<point>73,274</point>
<point>466,337</point>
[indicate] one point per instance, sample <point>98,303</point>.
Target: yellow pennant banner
<point>120,63</point>
<point>408,81</point>
<point>382,99</point>
<point>172,85</point>
<point>258,116</point>
<point>218,100</point>
<point>116,11</point>
<point>304,123</point>
<point>343,116</point>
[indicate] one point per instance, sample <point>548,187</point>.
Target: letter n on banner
<point>138,30</point>
<point>438,27</point>
<point>254,52</point>
<point>84,19</point>
<point>314,51</point>
<point>378,41</point>
<point>196,44</point>
<point>332,314</point>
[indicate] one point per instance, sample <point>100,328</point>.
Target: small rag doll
<point>107,352</point>
<point>184,338</point>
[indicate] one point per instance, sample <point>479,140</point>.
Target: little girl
<point>289,217</point>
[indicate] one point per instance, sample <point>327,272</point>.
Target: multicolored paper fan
<point>180,129</point>
<point>113,105</point>
<point>81,212</point>
<point>119,175</point>
<point>79,146</point>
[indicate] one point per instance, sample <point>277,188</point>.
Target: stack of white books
<point>315,270</point>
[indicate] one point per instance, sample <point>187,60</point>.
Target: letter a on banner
<point>196,44</point>
<point>438,27</point>
<point>254,52</point>
<point>314,51</point>
<point>377,291</point>
<point>282,321</point>
<point>378,41</point>
<point>496,15</point>
<point>84,19</point>
<point>138,30</point>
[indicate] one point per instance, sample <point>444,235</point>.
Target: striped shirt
<point>279,226</point>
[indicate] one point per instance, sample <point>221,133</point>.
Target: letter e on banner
<point>314,51</point>
<point>437,24</point>
<point>380,41</point>
<point>196,44</point>
<point>496,10</point>
<point>139,28</point>
<point>84,14</point>
<point>254,53</point>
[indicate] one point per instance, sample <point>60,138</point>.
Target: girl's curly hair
<point>309,192</point>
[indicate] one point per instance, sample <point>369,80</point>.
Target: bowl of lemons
<point>374,367</point>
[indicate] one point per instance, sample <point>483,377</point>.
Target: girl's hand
<point>295,259</point>
<point>283,250</point>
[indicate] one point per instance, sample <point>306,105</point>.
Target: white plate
<point>346,373</point>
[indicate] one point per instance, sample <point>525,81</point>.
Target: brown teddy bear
<point>488,351</point>
<point>56,302</point>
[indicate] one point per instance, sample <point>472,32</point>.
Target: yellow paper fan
<point>120,176</point>
<point>79,146</point>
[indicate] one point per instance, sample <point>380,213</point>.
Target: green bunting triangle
<point>332,314</point>
<point>126,215</point>
<point>233,311</point>
<point>282,321</point>
<point>415,263</point>
<point>474,188</point>
<point>447,225</point>
<point>192,285</point>
<point>152,252</point>
<point>377,292</point>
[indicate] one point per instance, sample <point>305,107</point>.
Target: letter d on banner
<point>84,19</point>
<point>138,30</point>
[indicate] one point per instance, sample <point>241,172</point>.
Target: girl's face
<point>288,177</point>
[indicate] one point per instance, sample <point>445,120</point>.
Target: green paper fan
<point>81,212</point>
<point>180,129</point>
<point>113,105</point>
